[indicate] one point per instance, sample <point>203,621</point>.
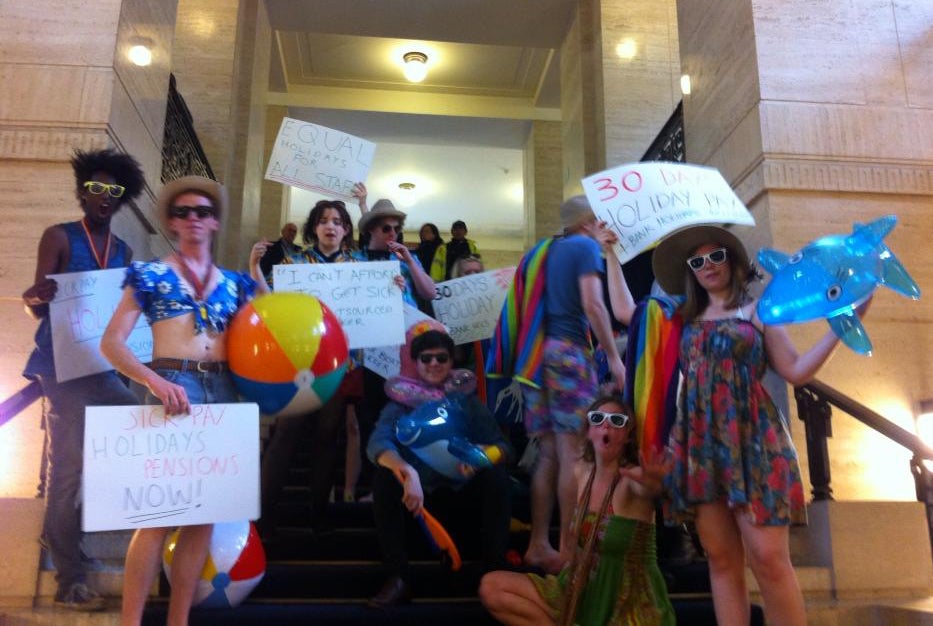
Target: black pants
<point>478,513</point>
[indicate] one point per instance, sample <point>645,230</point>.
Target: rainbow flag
<point>652,367</point>
<point>518,342</point>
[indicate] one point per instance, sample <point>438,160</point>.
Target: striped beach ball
<point>287,353</point>
<point>236,562</point>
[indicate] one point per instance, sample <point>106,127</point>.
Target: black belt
<point>188,365</point>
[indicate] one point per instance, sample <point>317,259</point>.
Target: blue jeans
<point>201,387</point>
<point>65,433</point>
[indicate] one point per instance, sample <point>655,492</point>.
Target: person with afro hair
<point>104,181</point>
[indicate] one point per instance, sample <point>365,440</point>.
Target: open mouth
<point>606,439</point>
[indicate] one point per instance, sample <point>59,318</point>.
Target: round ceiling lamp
<point>416,66</point>
<point>406,186</point>
<point>140,52</point>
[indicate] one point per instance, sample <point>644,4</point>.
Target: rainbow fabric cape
<point>517,348</point>
<point>652,369</point>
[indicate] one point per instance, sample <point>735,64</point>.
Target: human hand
<point>412,493</point>
<point>652,469</point>
<point>173,397</point>
<point>399,281</point>
<point>258,250</point>
<point>42,292</point>
<point>467,471</point>
<point>606,237</point>
<point>400,250</point>
<point>618,374</point>
<point>360,193</point>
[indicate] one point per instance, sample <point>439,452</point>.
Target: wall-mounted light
<point>140,52</point>
<point>627,49</point>
<point>685,84</point>
<point>416,66</point>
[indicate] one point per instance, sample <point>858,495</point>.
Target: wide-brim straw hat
<point>200,184</point>
<point>669,259</point>
<point>382,208</point>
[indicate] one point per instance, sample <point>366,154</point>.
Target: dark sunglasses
<point>616,420</point>
<point>388,228</point>
<point>96,188</point>
<point>441,358</point>
<point>716,257</point>
<point>182,212</point>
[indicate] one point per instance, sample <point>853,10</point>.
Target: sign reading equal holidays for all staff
<point>81,310</point>
<point>642,202</point>
<point>363,296</point>
<point>470,305</point>
<point>319,159</point>
<point>143,469</point>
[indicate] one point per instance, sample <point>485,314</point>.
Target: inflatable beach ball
<point>236,562</point>
<point>287,353</point>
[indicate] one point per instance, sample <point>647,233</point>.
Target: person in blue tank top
<point>104,181</point>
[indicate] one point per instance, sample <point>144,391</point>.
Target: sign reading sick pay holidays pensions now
<point>79,314</point>
<point>363,296</point>
<point>470,305</point>
<point>145,469</point>
<point>643,202</point>
<point>319,159</point>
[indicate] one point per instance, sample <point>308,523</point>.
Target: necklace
<point>198,284</point>
<point>101,261</point>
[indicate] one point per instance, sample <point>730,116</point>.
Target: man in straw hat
<point>189,303</point>
<point>555,412</point>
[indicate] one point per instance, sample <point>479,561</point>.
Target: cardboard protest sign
<point>79,314</point>
<point>642,202</point>
<point>143,469</point>
<point>386,360</point>
<point>470,305</point>
<point>319,159</point>
<point>363,296</point>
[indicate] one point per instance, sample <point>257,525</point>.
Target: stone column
<point>820,115</point>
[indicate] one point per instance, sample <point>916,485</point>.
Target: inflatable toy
<point>830,277</point>
<point>440,540</point>
<point>435,433</point>
<point>236,562</point>
<point>287,353</point>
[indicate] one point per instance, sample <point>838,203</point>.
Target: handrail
<point>814,402</point>
<point>12,406</point>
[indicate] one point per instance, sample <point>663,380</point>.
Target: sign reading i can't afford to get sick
<point>319,159</point>
<point>643,202</point>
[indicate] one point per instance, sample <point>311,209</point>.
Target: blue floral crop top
<point>161,295</point>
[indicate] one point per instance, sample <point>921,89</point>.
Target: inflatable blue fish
<point>830,277</point>
<point>435,433</point>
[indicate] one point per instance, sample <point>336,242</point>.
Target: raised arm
<point>424,284</point>
<point>256,255</point>
<point>620,296</point>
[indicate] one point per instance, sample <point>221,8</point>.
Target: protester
<point>448,254</point>
<point>188,302</point>
<point>281,251</point>
<point>104,181</point>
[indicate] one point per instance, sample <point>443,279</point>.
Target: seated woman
<point>403,483</point>
<point>613,578</point>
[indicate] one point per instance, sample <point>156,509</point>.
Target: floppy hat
<point>382,208</point>
<point>211,188</point>
<point>669,259</point>
<point>573,210</point>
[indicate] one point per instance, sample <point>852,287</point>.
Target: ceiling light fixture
<point>140,52</point>
<point>685,87</point>
<point>416,66</point>
<point>406,186</point>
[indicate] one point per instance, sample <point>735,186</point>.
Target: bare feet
<point>546,558</point>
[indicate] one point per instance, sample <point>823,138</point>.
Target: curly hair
<point>317,213</point>
<point>124,169</point>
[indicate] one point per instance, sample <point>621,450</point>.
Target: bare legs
<point>725,534</point>
<point>554,467</point>
<point>143,559</point>
<point>513,600</point>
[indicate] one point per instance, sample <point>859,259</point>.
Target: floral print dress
<point>730,442</point>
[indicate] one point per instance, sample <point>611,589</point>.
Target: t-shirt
<point>568,259</point>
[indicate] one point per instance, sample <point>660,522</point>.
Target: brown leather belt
<point>188,365</point>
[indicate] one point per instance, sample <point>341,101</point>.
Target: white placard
<point>145,470</point>
<point>470,305</point>
<point>81,310</point>
<point>319,159</point>
<point>642,202</point>
<point>386,360</point>
<point>363,296</point>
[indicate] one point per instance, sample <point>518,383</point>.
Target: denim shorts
<point>569,387</point>
<point>201,387</point>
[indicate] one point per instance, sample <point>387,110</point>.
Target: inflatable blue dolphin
<point>435,433</point>
<point>830,277</point>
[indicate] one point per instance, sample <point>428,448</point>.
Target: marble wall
<point>820,117</point>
